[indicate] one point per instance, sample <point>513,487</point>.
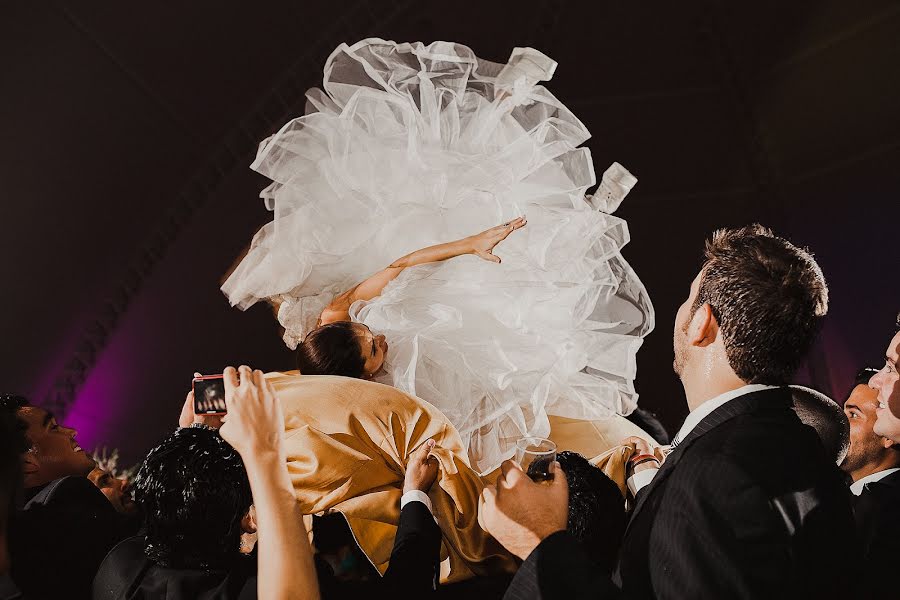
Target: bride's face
<point>373,348</point>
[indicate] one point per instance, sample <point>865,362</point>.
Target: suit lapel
<point>891,481</point>
<point>737,406</point>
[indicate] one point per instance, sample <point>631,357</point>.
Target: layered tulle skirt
<point>409,145</point>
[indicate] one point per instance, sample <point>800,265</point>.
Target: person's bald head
<point>825,416</point>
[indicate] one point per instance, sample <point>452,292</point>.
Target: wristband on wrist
<point>646,460</point>
<point>641,458</point>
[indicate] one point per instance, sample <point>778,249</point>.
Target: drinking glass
<point>534,455</point>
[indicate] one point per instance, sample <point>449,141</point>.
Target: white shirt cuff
<point>416,496</point>
<point>640,479</point>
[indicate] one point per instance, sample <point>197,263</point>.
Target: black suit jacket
<point>413,568</point>
<point>59,538</point>
<point>8,589</point>
<point>747,506</point>
<point>127,573</point>
<point>877,514</point>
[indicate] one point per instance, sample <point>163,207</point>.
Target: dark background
<point>129,128</point>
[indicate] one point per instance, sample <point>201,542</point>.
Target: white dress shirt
<point>645,476</point>
<point>418,496</point>
<point>858,486</point>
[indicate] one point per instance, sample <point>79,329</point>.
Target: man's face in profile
<point>115,490</point>
<point>54,453</point>
<point>887,384</point>
<point>865,444</point>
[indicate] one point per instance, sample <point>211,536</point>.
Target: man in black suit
<point>872,457</point>
<point>596,519</point>
<point>414,566</point>
<point>748,504</point>
<point>874,465</point>
<point>66,526</point>
<point>195,492</point>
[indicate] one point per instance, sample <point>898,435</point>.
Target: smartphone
<point>209,395</point>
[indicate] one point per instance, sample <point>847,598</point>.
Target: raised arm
<point>481,245</point>
<point>254,427</point>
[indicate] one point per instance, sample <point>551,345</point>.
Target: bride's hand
<point>483,243</point>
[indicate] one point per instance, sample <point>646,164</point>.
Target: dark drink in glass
<point>535,455</point>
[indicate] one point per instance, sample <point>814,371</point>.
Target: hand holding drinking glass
<point>535,455</point>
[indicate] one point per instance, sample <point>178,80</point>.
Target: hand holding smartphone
<point>209,395</point>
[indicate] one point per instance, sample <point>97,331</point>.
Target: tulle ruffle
<point>410,145</point>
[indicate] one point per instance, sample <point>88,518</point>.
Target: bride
<point>410,146</point>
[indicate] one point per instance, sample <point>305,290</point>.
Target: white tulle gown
<point>410,145</point>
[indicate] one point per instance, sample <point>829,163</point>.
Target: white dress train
<point>410,145</point>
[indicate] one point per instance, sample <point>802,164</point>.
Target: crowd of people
<point>767,490</point>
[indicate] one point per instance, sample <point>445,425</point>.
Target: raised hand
<point>520,513</point>
<point>421,468</point>
<point>483,244</point>
<point>188,417</point>
<point>254,427</point>
<point>640,446</point>
<point>254,424</point>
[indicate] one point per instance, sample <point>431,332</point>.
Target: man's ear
<point>703,328</point>
<point>887,442</point>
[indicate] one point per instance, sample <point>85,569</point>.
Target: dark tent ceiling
<point>128,131</point>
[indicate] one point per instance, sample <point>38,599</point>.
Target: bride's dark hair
<point>331,349</point>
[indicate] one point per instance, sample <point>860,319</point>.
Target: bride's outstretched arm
<point>481,245</point>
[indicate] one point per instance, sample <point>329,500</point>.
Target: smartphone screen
<point>209,395</point>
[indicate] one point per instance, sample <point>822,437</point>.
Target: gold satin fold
<point>348,442</point>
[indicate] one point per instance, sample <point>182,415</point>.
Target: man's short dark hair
<point>596,509</point>
<point>769,298</point>
<point>863,376</point>
<point>9,408</point>
<point>12,402</point>
<point>194,491</point>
